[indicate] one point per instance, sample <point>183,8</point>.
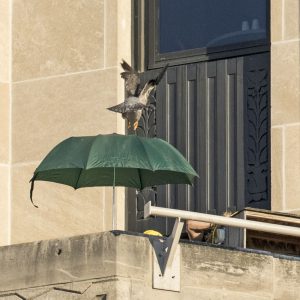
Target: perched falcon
<point>137,99</point>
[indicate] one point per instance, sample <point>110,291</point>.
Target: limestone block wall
<point>4,116</point>
<point>285,104</point>
<point>58,74</point>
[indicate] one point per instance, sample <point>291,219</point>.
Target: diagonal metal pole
<point>241,223</point>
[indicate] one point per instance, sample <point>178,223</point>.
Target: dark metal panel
<point>234,236</point>
<point>206,111</point>
<point>171,102</point>
<point>162,121</point>
<point>257,130</point>
<point>201,202</point>
<point>135,201</point>
<point>192,151</point>
<point>169,122</point>
<point>240,136</point>
<point>182,121</point>
<point>231,134</point>
<point>216,112</point>
<point>211,133</point>
<point>220,140</point>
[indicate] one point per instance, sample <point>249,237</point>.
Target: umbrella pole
<point>114,208</point>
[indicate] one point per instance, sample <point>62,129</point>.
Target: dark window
<point>212,104</point>
<point>185,25</point>
<point>187,31</point>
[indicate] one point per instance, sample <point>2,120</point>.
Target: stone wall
<point>119,266</point>
<point>59,71</point>
<point>5,20</point>
<point>285,102</point>
<point>59,65</point>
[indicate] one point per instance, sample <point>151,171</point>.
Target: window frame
<point>146,46</point>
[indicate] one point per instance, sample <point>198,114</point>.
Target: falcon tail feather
<point>126,66</point>
<point>125,107</point>
<point>161,75</point>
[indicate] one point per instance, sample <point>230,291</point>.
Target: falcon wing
<point>161,74</point>
<point>126,107</point>
<point>131,77</point>
<point>147,89</point>
<point>151,85</point>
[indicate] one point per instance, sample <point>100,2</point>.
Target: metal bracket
<point>170,281</point>
<point>166,274</point>
<point>166,257</point>
<point>165,248</point>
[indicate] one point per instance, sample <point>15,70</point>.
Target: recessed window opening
<point>192,24</point>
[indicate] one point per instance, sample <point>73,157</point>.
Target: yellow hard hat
<point>152,232</point>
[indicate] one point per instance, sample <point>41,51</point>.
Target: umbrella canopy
<point>114,160</point>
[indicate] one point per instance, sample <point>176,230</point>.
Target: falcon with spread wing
<point>131,109</point>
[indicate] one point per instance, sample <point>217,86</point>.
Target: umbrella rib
<point>75,187</point>
<point>140,176</point>
<point>149,162</point>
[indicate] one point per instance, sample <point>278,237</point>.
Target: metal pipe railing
<point>220,220</point>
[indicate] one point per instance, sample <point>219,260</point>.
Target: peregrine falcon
<point>131,109</point>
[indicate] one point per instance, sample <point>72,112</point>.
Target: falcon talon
<point>135,125</point>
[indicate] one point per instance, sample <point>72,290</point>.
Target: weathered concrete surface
<point>119,266</point>
<point>57,261</point>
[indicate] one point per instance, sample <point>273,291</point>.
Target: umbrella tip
<point>33,202</point>
<point>34,205</point>
<point>31,190</point>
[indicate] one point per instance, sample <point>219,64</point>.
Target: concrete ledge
<point>57,261</point>
<point>119,265</point>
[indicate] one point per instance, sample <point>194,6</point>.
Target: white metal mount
<point>166,260</point>
<point>166,257</point>
<point>166,248</point>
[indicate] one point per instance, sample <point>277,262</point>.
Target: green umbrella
<point>114,160</point>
